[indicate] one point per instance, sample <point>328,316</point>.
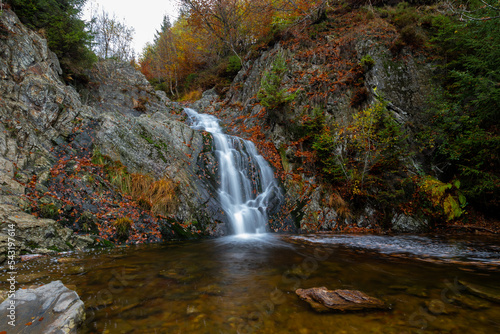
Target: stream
<point>246,284</point>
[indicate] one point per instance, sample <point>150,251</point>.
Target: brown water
<point>235,285</point>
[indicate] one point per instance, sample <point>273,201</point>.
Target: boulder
<point>489,293</point>
<point>407,224</point>
<point>35,235</point>
<point>322,300</point>
<point>51,308</point>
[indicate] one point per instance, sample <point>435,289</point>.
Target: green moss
<point>48,210</point>
<point>158,145</point>
<point>31,244</point>
<point>54,248</point>
<point>367,62</point>
<point>103,243</point>
<point>284,161</point>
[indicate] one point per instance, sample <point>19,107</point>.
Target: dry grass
<point>192,95</point>
<point>159,196</point>
<point>122,226</point>
<point>336,202</point>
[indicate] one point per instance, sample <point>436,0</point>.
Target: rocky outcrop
<point>51,308</point>
<point>153,140</point>
<point>35,235</point>
<point>485,292</point>
<point>323,300</point>
<point>340,74</point>
<point>406,224</point>
<point>37,112</point>
<point>36,108</point>
<point>48,137</point>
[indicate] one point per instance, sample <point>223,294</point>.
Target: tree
<point>113,39</point>
<point>479,10</point>
<point>465,117</point>
<point>235,23</point>
<point>165,26</point>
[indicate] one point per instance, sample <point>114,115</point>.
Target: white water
<point>246,180</point>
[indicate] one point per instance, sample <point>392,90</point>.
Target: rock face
<point>36,107</point>
<point>37,235</point>
<point>153,141</point>
<point>322,300</point>
<point>331,76</point>
<point>52,308</point>
<point>48,137</point>
<point>405,224</point>
<point>37,110</point>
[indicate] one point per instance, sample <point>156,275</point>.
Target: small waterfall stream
<point>246,180</point>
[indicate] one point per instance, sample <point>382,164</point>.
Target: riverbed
<point>247,284</point>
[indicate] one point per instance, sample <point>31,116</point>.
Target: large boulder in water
<point>322,300</point>
<point>52,308</point>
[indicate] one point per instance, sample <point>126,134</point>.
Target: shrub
<point>359,97</point>
<point>446,200</point>
<point>367,62</point>
<point>412,36</point>
<point>270,94</point>
<point>49,210</point>
<point>234,65</point>
<point>192,95</point>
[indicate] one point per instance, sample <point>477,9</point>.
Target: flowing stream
<point>246,180</point>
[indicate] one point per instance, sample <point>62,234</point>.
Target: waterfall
<point>246,180</point>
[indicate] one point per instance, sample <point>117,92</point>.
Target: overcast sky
<point>145,16</point>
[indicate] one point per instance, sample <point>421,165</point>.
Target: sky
<point>145,16</point>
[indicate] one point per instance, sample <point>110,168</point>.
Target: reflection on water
<point>246,285</point>
<point>470,249</point>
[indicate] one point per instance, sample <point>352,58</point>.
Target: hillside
<point>371,119</point>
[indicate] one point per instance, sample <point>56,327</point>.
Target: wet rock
<point>322,300</point>
<point>491,294</point>
<point>35,235</point>
<point>437,307</point>
<point>474,303</point>
<point>51,308</point>
<point>407,224</point>
<point>417,291</point>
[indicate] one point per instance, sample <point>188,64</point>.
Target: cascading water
<point>247,181</point>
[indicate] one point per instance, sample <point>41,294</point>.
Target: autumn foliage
<point>211,38</point>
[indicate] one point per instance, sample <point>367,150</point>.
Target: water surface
<point>246,284</point>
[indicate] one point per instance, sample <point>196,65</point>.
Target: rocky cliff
<point>303,98</point>
<point>59,156</point>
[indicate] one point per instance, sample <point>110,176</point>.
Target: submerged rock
<point>482,291</point>
<point>52,308</point>
<point>322,300</point>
